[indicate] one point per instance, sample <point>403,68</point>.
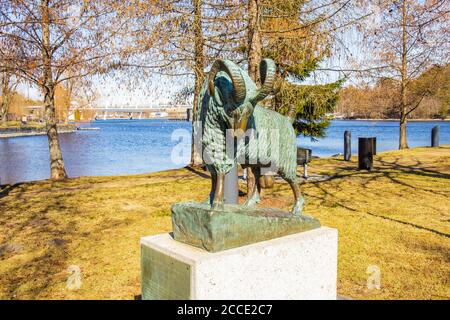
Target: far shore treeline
<point>379,101</point>
<point>394,56</point>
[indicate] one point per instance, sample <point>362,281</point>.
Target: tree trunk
<point>4,106</point>
<point>277,101</point>
<point>403,144</point>
<point>254,40</point>
<point>69,101</point>
<point>3,112</point>
<point>57,170</point>
<point>254,55</point>
<point>196,152</point>
<point>6,94</point>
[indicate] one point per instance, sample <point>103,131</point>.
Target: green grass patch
<point>395,217</point>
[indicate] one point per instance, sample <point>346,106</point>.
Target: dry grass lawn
<point>396,217</point>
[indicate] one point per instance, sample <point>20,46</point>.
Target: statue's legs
<point>254,188</point>
<point>251,182</point>
<point>299,200</point>
<point>218,192</point>
<point>213,173</point>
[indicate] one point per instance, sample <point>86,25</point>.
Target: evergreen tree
<point>298,37</point>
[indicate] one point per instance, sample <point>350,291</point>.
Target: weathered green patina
<point>228,103</point>
<point>233,226</point>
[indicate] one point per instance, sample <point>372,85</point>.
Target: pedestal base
<point>297,266</point>
<point>234,225</point>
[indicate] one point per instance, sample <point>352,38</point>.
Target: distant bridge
<point>142,109</point>
<point>172,111</point>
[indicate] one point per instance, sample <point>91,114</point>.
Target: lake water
<point>141,146</point>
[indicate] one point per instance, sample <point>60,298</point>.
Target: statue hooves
<point>250,204</point>
<point>217,206</point>
<point>297,210</point>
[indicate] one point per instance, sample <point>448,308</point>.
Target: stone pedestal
<point>297,266</point>
<point>233,226</point>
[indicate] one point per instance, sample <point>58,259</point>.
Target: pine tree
<point>297,35</point>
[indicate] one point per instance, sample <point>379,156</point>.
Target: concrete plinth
<point>297,266</point>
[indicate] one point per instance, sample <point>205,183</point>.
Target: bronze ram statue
<point>229,101</point>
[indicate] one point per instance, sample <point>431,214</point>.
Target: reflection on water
<point>139,146</point>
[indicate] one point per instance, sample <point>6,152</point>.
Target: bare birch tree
<point>58,41</point>
<point>410,37</point>
<point>181,38</point>
<point>8,85</point>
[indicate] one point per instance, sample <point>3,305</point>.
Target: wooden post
<point>188,114</point>
<point>435,137</point>
<point>347,145</point>
<point>305,170</point>
<point>365,153</point>
<point>231,190</point>
<point>303,157</point>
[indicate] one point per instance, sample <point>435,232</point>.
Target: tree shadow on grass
<point>39,234</point>
<point>439,233</point>
<point>201,174</point>
<point>6,189</point>
<point>341,203</point>
<point>387,170</point>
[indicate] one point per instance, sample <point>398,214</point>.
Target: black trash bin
<point>366,150</point>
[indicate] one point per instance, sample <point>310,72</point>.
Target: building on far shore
<point>33,113</point>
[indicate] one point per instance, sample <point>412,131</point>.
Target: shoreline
<point>334,119</point>
<point>130,175</point>
<point>27,132</point>
<point>394,120</point>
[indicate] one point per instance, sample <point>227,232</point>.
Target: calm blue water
<point>140,146</point>
<point>386,132</point>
